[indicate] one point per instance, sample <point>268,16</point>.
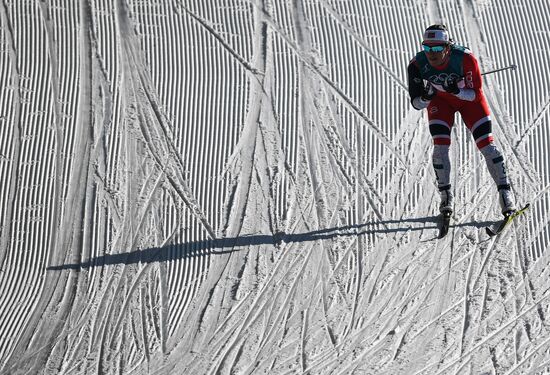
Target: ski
<point>445,222</point>
<point>498,227</point>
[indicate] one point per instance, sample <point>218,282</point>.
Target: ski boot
<point>507,203</point>
<point>446,205</point>
<point>446,210</point>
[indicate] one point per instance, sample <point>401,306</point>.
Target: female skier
<point>445,79</point>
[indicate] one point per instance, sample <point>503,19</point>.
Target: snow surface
<point>242,187</point>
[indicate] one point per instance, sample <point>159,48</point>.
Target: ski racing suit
<point>469,102</point>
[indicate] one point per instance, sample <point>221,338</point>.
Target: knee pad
<point>482,131</point>
<point>441,132</point>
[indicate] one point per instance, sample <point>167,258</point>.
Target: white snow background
<point>242,187</point>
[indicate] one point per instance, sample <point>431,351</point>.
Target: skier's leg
<point>441,117</point>
<point>478,121</point>
<point>496,166</point>
<point>497,169</point>
<point>442,168</point>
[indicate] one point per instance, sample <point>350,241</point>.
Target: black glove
<point>451,85</point>
<point>428,93</point>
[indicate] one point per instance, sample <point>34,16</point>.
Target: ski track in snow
<point>242,187</point>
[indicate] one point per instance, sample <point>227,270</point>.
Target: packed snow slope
<point>242,187</point>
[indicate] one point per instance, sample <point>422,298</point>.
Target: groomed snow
<point>242,187</point>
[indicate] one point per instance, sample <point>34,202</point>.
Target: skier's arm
<point>471,82</point>
<point>416,86</point>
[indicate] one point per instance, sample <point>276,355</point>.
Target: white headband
<point>436,36</point>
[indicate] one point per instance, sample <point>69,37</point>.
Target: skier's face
<point>437,55</point>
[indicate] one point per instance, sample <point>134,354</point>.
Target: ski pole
<point>460,78</point>
<point>513,67</point>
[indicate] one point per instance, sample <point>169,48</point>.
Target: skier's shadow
<point>232,244</point>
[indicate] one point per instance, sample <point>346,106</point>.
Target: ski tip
<point>521,210</point>
<point>527,205</point>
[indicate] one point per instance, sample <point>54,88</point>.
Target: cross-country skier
<point>445,79</point>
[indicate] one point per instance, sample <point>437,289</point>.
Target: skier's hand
<point>429,92</point>
<point>451,85</point>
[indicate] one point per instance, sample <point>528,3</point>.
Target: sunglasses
<point>433,48</point>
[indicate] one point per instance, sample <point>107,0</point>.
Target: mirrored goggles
<point>433,48</point>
